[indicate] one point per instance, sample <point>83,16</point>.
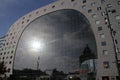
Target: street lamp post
<point>111,32</point>
<point>38,63</point>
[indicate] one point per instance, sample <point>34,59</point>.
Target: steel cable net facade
<point>95,12</point>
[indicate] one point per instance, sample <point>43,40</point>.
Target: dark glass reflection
<point>54,41</point>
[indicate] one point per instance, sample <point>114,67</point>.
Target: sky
<point>11,10</point>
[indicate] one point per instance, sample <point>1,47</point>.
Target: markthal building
<point>65,40</point>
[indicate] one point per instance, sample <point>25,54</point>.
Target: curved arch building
<point>104,19</point>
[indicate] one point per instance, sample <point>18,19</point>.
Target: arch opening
<point>55,41</point>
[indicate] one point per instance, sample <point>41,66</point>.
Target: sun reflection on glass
<point>36,45</point>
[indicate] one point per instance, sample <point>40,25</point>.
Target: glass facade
<point>54,41</point>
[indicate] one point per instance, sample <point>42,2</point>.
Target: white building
<point>1,44</point>
<point>104,17</point>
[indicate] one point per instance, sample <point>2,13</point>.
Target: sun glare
<point>37,45</point>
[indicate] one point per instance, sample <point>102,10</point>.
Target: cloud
<point>78,39</point>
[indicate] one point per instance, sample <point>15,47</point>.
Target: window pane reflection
<point>54,42</point>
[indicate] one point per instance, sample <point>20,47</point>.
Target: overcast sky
<point>11,10</point>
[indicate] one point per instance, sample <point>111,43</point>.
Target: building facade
<point>104,17</point>
<point>1,44</point>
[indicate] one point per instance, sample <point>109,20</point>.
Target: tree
<point>3,69</point>
<point>57,75</point>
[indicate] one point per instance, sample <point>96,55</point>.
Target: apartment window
<point>30,15</point>
<point>113,11</point>
<point>118,23</point>
<point>112,78</point>
<point>93,4</point>
<point>10,62</point>
<point>106,20</point>
<point>23,17</point>
<point>99,8</point>
<point>4,53</point>
<point>13,37</point>
<point>117,17</point>
<point>7,57</point>
<point>10,33</point>
<point>117,50</point>
<point>53,6</point>
<point>44,9</point>
<point>109,5</point>
<point>90,10</point>
<point>9,69</point>
<point>103,43</point>
<point>28,20</point>
<point>72,0</point>
<point>105,52</point>
<point>84,1</point>
<point>8,52</point>
<point>14,42</point>
<point>4,44</point>
<point>106,64</point>
<point>110,26</point>
<point>11,51</point>
<point>37,12</point>
<point>102,35</point>
<point>7,34</point>
<point>3,58</point>
<point>97,22</point>
<point>116,41</point>
<point>100,28</point>
<point>103,1</point>
<point>103,13</point>
<point>22,22</point>
<point>114,33</point>
<point>118,2</point>
<point>7,43</point>
<point>10,57</point>
<point>84,6</point>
